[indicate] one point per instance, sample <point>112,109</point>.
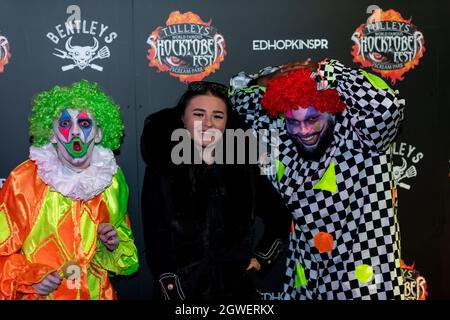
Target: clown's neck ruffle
<point>83,185</point>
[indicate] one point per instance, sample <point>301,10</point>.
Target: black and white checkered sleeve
<point>246,100</point>
<point>375,111</point>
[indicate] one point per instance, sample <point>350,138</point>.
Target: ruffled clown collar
<point>82,185</point>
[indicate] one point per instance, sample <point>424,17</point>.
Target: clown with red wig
<point>333,167</point>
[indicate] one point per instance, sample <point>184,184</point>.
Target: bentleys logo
<point>72,37</point>
<point>186,47</point>
<point>409,157</point>
<point>5,52</point>
<point>388,44</point>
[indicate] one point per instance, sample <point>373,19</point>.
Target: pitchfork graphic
<point>399,174</point>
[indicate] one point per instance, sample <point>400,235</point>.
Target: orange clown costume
<point>49,217</point>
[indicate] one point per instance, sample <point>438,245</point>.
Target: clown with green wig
<point>64,226</point>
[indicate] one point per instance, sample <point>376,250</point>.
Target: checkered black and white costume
<point>360,213</point>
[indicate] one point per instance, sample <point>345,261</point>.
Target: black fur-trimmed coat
<point>199,219</point>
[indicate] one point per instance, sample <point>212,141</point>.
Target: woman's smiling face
<point>205,117</point>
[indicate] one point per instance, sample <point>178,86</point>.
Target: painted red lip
<point>76,145</point>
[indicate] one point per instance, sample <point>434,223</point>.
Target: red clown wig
<point>298,90</point>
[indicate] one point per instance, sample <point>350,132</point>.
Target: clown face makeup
<point>312,131</point>
<point>75,134</point>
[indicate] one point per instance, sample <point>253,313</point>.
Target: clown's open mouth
<point>76,146</point>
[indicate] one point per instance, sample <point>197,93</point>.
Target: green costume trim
<point>252,89</point>
<point>300,277</point>
<point>279,167</point>
<point>5,225</point>
<point>123,260</point>
<point>328,180</point>
<point>376,81</point>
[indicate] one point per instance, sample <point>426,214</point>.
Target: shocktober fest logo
<point>187,47</point>
<point>80,41</point>
<point>388,44</point>
<point>5,53</point>
<point>415,285</point>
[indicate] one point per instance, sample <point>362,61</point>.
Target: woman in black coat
<point>199,216</point>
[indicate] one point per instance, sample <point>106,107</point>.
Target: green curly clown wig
<point>48,105</point>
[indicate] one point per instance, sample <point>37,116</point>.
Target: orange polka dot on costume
<point>323,241</point>
<point>364,273</point>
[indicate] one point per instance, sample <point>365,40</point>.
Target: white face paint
<point>75,135</point>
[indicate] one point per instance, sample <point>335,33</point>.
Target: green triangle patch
<point>328,181</point>
<point>376,81</point>
<point>279,167</point>
<point>300,278</point>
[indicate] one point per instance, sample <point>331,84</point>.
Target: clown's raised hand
<point>295,65</point>
<point>284,69</point>
<point>108,235</point>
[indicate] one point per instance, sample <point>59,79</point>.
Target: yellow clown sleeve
<point>124,260</point>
